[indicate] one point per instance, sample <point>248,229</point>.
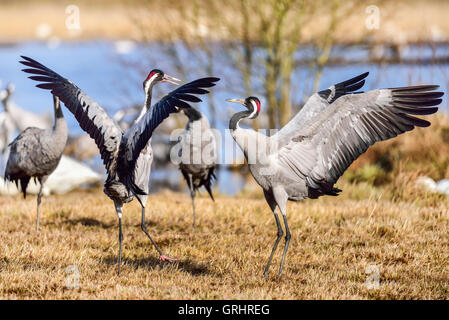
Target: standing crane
<point>6,123</point>
<point>308,155</point>
<point>14,117</point>
<point>120,151</point>
<point>198,155</point>
<point>36,153</point>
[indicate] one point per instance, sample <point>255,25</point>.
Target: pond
<point>112,73</point>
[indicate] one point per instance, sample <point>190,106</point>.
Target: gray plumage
<point>125,154</point>
<point>35,153</point>
<point>306,157</point>
<point>200,155</point>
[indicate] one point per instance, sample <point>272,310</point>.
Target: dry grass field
<point>401,20</point>
<point>335,241</point>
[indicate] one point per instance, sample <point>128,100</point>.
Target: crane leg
<point>281,198</point>
<point>39,198</point>
<point>278,238</point>
<point>192,195</point>
<point>273,205</point>
<point>162,257</point>
<point>287,241</point>
<point>118,210</point>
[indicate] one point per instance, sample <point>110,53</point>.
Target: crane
<point>308,155</point>
<point>81,147</point>
<point>120,151</point>
<point>198,155</point>
<point>36,153</point>
<point>6,123</point>
<point>145,157</point>
<point>20,117</point>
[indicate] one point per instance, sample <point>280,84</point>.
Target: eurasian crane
<point>308,155</point>
<point>199,158</point>
<point>35,153</point>
<point>119,150</point>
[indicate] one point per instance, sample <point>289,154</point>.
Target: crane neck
<point>59,116</point>
<point>147,104</point>
<point>5,100</point>
<point>192,114</point>
<point>236,118</point>
<point>57,108</point>
<point>60,129</point>
<point>148,95</point>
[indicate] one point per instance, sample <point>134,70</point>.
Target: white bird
<point>69,175</point>
<point>441,186</point>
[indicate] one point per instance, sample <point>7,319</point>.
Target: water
<point>112,73</point>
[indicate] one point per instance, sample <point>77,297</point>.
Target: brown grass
<point>334,240</point>
<point>401,21</point>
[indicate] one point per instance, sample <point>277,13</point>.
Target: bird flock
<point>302,160</point>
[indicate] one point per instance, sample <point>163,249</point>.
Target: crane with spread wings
<point>120,151</point>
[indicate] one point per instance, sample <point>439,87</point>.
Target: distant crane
<point>81,147</point>
<point>7,127</point>
<point>36,153</point>
<point>119,116</point>
<point>6,131</point>
<point>198,163</point>
<point>6,124</point>
<point>308,155</point>
<point>22,118</point>
<point>119,150</point>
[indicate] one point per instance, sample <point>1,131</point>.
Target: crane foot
<point>165,258</point>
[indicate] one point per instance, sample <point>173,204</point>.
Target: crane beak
<point>171,80</point>
<point>241,101</point>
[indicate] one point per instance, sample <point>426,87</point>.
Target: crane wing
<point>322,151</point>
<point>318,102</point>
<point>136,138</point>
<point>91,117</point>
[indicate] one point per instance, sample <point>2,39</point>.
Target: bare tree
<point>257,38</point>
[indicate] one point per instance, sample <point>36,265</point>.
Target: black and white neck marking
<point>153,77</point>
<point>253,106</point>
<point>57,108</point>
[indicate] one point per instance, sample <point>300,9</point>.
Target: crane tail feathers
<point>208,183</point>
<point>23,185</point>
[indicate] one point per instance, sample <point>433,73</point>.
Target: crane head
<point>7,92</point>
<point>157,75</point>
<point>251,103</point>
